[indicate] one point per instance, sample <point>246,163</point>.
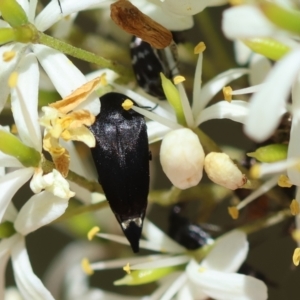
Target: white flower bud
<point>182,158</point>
<point>222,170</point>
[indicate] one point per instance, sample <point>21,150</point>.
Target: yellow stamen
<point>127,268</point>
<point>8,55</point>
<point>284,181</point>
<point>178,79</point>
<point>233,211</point>
<point>227,92</point>
<point>13,79</point>
<point>254,171</point>
<point>296,235</point>
<point>296,256</point>
<point>127,104</point>
<point>199,48</point>
<point>202,269</point>
<point>86,267</point>
<point>14,129</point>
<point>103,80</point>
<point>294,208</point>
<point>93,232</point>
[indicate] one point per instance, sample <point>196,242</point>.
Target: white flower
<point>65,275</point>
<point>11,182</point>
<point>64,75</point>
<point>195,115</point>
<point>38,211</point>
<point>214,277</point>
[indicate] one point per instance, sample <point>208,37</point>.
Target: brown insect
<point>133,21</point>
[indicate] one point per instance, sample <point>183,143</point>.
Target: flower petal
<point>246,21</point>
<point>293,149</point>
<point>174,287</point>
<point>29,285</point>
<point>9,185</point>
<point>211,88</point>
<point>268,104</point>
<point>260,66</point>
<point>10,213</point>
<point>39,210</point>
<point>62,72</point>
<point>156,131</point>
<point>6,68</point>
<point>226,286</point>
<point>51,13</point>
<point>228,254</point>
<point>121,262</point>
<point>52,182</point>
<point>236,110</point>
<point>162,263</point>
<point>9,161</point>
<point>5,247</point>
<point>164,16</point>
<point>24,102</point>
<point>156,236</point>
<point>185,8</point>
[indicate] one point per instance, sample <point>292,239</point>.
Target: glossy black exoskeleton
<point>148,63</point>
<point>190,235</point>
<point>121,157</point>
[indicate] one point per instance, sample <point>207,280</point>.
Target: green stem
<point>80,210</point>
<point>270,220</point>
<point>91,186</point>
<point>85,55</point>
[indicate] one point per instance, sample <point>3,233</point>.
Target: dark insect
<point>148,63</point>
<point>190,235</point>
<point>122,158</point>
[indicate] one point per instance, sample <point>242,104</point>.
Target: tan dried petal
<point>133,21</point>
<point>78,96</point>
<point>62,162</point>
<point>81,117</point>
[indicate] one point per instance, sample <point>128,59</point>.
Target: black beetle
<point>121,157</point>
<point>148,63</point>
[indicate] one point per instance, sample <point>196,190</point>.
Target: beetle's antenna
<point>60,6</point>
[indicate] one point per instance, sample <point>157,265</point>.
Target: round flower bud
<point>182,158</point>
<point>222,170</point>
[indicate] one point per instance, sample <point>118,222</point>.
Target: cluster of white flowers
<point>27,66</point>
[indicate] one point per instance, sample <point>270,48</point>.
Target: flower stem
<point>270,220</point>
<point>91,186</point>
<point>80,210</point>
<point>85,55</point>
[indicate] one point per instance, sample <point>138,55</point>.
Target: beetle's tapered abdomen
<point>121,157</point>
